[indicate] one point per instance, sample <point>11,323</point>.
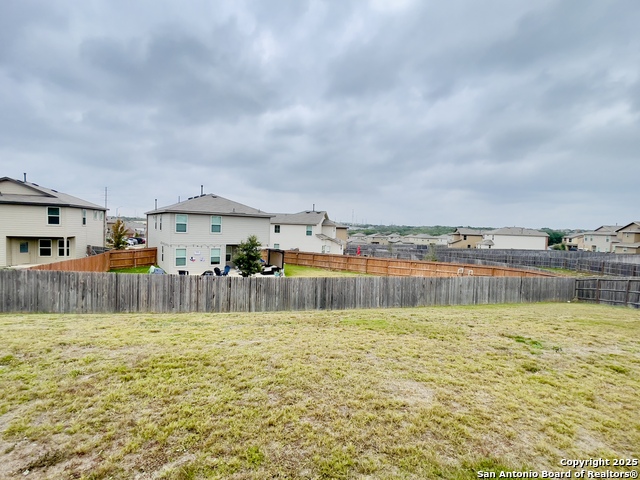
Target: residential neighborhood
<point>41,225</point>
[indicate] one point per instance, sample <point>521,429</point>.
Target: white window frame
<point>276,246</point>
<point>309,230</point>
<point>212,256</point>
<point>276,229</point>
<point>185,223</point>
<point>61,248</point>
<point>40,247</point>
<point>50,216</point>
<point>84,216</point>
<point>177,257</point>
<point>219,224</point>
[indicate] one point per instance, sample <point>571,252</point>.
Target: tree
<point>118,234</point>
<point>248,257</point>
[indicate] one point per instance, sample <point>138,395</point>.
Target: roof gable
<point>517,231</point>
<point>309,217</point>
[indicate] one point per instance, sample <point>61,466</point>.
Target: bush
<point>248,257</point>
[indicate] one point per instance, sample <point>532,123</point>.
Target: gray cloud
<point>491,113</point>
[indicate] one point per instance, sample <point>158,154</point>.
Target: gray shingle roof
<point>211,204</point>
<point>42,196</point>
<point>308,217</point>
<point>518,231</point>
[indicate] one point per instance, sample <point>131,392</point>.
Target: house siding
<point>28,223</point>
<point>198,240</point>
<point>517,242</point>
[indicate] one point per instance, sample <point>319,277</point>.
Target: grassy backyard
<point>413,393</point>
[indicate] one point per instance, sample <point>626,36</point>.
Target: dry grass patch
<point>412,393</point>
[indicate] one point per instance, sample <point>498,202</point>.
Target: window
<point>276,246</point>
<point>160,222</point>
<point>326,249</point>
<point>61,249</point>
<point>95,214</point>
<point>101,215</point>
<point>229,253</point>
<point>309,230</point>
<point>162,253</point>
<point>181,257</point>
<point>53,215</point>
<point>276,229</point>
<point>216,224</point>
<point>181,223</point>
<point>465,237</point>
<point>24,247</point>
<point>84,216</point>
<point>44,248</point>
<point>155,222</point>
<point>215,256</point>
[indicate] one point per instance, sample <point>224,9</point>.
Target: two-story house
<point>516,238</point>
<point>602,239</point>
<point>41,225</point>
<point>465,238</point>
<point>203,232</point>
<point>629,239</point>
<point>309,231</point>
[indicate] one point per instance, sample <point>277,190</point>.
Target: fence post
<point>598,291</point>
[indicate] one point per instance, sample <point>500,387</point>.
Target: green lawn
<point>378,394</point>
<point>132,270</point>
<point>301,271</point>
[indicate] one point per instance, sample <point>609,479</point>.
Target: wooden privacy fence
<point>403,268</point>
<point>113,259</point>
<point>82,292</point>
<point>611,292</point>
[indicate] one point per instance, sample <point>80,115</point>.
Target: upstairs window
<point>53,215</point>
<point>181,223</point>
<point>216,224</point>
<point>276,229</point>
<point>84,216</point>
<point>309,230</point>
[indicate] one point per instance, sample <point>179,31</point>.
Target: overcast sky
<point>491,113</point>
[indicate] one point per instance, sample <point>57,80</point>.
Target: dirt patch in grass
<point>412,393</point>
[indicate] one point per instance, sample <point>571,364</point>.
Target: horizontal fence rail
<point>403,268</point>
<point>588,262</point>
<point>609,291</point>
<point>111,260</point>
<point>83,292</point>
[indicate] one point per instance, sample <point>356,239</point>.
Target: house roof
<point>635,230</point>
<point>486,242</point>
<point>359,235</point>
<point>42,196</point>
<point>469,231</point>
<point>308,217</point>
<point>607,228</point>
<point>208,204</point>
<point>517,231</point>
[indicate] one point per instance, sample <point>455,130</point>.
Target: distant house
<point>358,238</point>
<point>377,239</point>
<point>308,231</point>
<point>203,232</point>
<point>514,238</point>
<point>575,241</point>
<point>602,239</point>
<point>465,238</point>
<point>426,239</point>
<point>42,225</point>
<point>629,238</point>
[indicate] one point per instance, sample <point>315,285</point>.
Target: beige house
<point>575,241</point>
<point>41,225</point>
<point>465,238</point>
<point>203,232</point>
<point>515,238</point>
<point>629,239</point>
<point>602,239</point>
